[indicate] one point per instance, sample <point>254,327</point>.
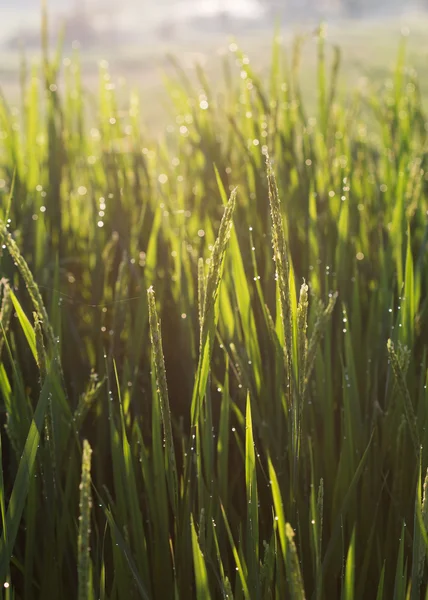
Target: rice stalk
<point>201,298</point>
<point>210,306</point>
<point>424,514</point>
<point>42,365</point>
<point>320,326</point>
<point>5,312</point>
<point>86,401</point>
<point>162,388</point>
<point>281,259</point>
<point>398,369</point>
<point>216,261</point>
<point>33,290</point>
<point>83,542</point>
<point>302,325</point>
<point>40,348</point>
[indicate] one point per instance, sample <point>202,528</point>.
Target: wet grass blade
<point>252,505</point>
<point>201,576</point>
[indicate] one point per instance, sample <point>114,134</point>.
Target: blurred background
<point>98,22</point>
<point>136,36</point>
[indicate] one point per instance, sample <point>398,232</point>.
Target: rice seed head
<point>403,355</point>
<point>83,548</point>
<point>201,294</point>
<point>33,290</point>
<point>212,287</point>
<point>397,366</point>
<point>302,326</point>
<point>86,400</point>
<point>5,311</point>
<point>422,548</point>
<point>217,259</point>
<point>159,361</point>
<point>280,257</point>
<point>42,365</point>
<point>40,348</point>
<point>323,318</point>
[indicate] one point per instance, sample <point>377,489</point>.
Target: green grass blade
<point>201,576</point>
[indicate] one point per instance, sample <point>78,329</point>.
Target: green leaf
<point>201,576</point>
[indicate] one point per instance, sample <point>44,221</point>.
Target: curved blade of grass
<point>252,505</point>
<point>400,582</point>
<point>380,587</point>
<point>201,576</point>
<point>27,328</point>
<point>335,532</point>
<point>123,546</point>
<point>278,507</point>
<point>239,565</point>
<point>349,582</point>
<point>294,575</point>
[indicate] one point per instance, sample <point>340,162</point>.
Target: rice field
<point>213,345</point>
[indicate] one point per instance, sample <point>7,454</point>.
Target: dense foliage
<point>213,363</point>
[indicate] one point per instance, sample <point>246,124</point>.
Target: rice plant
<point>213,367</point>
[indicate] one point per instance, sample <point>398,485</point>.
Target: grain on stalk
<point>201,295</point>
<point>217,260</point>
<point>280,257</point>
<point>86,401</point>
<point>5,311</point>
<point>40,348</point>
<point>210,305</point>
<point>424,514</point>
<point>33,290</point>
<point>323,317</point>
<point>159,361</point>
<point>83,544</point>
<point>398,365</point>
<point>302,340</point>
<point>42,363</point>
